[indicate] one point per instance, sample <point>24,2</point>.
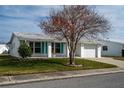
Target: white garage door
<point>90,51</point>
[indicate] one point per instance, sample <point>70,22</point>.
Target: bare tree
<point>74,22</point>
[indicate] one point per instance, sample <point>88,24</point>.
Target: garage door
<point>90,51</point>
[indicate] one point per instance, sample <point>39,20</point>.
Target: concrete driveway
<point>109,60</point>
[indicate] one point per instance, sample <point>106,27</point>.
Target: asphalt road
<point>115,80</point>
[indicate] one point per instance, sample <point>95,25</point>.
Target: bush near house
<point>24,50</point>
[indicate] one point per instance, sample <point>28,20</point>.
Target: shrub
<point>24,50</point>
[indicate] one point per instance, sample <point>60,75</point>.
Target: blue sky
<point>27,18</point>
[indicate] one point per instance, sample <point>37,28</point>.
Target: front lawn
<point>12,66</point>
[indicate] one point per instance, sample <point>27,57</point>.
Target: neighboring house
<point>3,48</point>
<point>111,48</point>
<point>43,45</point>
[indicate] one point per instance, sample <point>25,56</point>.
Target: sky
<point>27,18</point>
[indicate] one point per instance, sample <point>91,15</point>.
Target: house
<point>111,48</point>
<point>43,45</point>
<point>3,48</point>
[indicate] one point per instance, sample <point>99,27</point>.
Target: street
<point>96,81</point>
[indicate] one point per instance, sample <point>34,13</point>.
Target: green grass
<point>119,58</point>
<point>13,66</point>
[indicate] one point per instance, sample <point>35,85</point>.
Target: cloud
<point>21,19</point>
<point>115,15</point>
<point>25,18</point>
<point>26,10</point>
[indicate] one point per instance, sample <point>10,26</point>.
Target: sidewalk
<point>5,80</point>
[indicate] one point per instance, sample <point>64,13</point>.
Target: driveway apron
<point>109,60</point>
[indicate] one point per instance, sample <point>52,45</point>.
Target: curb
<point>12,82</point>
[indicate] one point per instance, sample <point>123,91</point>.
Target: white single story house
<point>3,48</point>
<point>111,48</point>
<point>43,45</point>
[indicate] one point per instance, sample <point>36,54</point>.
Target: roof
<point>32,36</point>
<point>111,41</point>
<point>42,36</point>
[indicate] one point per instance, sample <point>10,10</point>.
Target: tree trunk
<point>71,58</point>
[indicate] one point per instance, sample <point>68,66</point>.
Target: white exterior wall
<point>49,50</point>
<point>114,49</point>
<point>98,51</point>
<point>82,50</point>
<point>78,50</point>
<point>14,47</point>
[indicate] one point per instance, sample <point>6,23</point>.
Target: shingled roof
<point>42,36</point>
<point>35,36</point>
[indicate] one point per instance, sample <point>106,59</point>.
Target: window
<point>58,48</point>
<point>52,47</point>
<point>22,41</point>
<point>31,45</point>
<point>42,48</point>
<point>104,48</point>
<point>37,47</point>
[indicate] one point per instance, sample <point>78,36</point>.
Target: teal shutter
<point>42,48</point>
<point>61,48</point>
<point>46,48</point>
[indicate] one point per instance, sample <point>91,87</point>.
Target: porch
<point>48,49</point>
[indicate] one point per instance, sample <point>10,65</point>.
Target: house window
<point>37,47</point>
<point>52,47</point>
<point>22,41</point>
<point>31,45</point>
<point>58,47</point>
<point>105,48</point>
